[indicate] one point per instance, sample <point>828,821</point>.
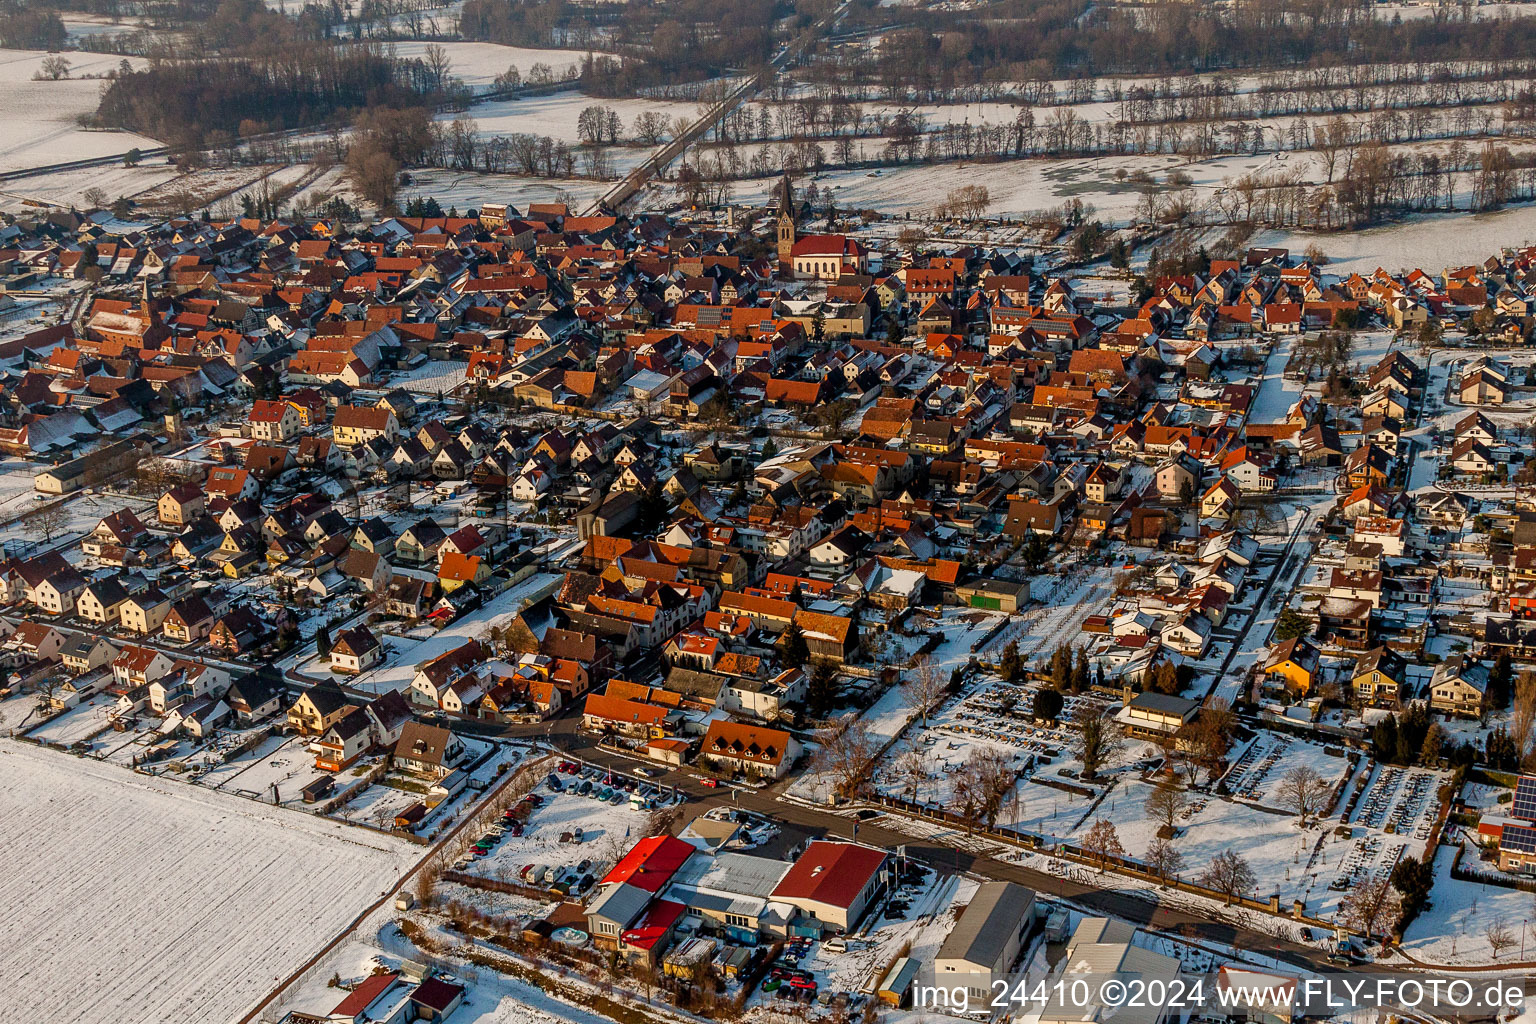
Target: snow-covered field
<point>134,898</point>
<point>470,191</point>
<point>1431,241</point>
<point>38,124</point>
<point>555,115</point>
<point>478,64</point>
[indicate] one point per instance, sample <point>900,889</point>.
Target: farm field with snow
<point>469,191</point>
<point>1431,240</point>
<point>478,64</point>
<point>38,125</point>
<point>132,898</point>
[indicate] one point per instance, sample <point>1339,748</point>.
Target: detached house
<point>356,650</point>
<point>427,750</point>
<point>736,748</point>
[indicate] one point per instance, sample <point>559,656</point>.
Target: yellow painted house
<point>457,570</point>
<point>1295,662</point>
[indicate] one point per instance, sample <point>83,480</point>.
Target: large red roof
<point>658,921</point>
<point>830,873</point>
<point>827,245</point>
<point>651,864</point>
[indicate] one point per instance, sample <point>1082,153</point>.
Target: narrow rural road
<point>635,180</point>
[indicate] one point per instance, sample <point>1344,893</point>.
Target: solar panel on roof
<point>1518,839</point>
<point>1524,805</point>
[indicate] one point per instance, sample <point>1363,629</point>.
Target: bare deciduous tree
<point>981,786</point>
<point>1103,842</point>
<point>912,769</point>
<point>925,683</point>
<point>50,521</point>
<point>1164,804</point>
<point>1306,792</point>
<point>1229,874</point>
<point>1163,859</point>
<point>1523,720</point>
<point>846,752</point>
<point>1499,936</point>
<point>1371,905</point>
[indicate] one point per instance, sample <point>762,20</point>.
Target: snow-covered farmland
<point>134,898</point>
<point>1430,241</point>
<point>470,191</point>
<point>555,115</point>
<point>478,64</point>
<point>38,126</point>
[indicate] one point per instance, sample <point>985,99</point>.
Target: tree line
<point>934,53</point>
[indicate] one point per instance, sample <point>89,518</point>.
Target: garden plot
<point>1261,768</point>
<point>268,771</point>
<point>378,804</point>
<point>77,724</point>
<point>1455,927</point>
<point>82,511</point>
<point>960,632</point>
<point>183,905</point>
<point>17,495</point>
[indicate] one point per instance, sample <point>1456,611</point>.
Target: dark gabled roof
<point>327,698</point>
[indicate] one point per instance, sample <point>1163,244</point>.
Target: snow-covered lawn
<point>425,644</point>
<point>1454,930</point>
<point>282,764</point>
<point>135,898</point>
<point>17,495</point>
<point>74,725</point>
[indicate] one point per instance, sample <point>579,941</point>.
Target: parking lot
<point>564,839</point>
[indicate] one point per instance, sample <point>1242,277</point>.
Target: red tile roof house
<point>374,993</point>
<point>832,884</point>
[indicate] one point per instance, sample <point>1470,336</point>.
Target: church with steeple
<point>785,200</point>
<point>814,257</point>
